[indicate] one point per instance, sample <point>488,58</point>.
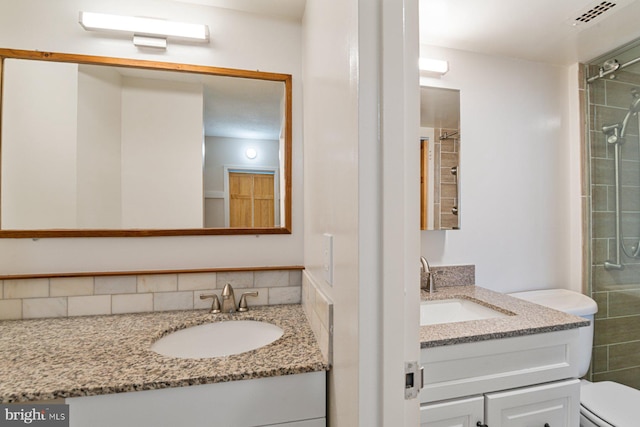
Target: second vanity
<point>98,363</point>
<point>516,368</point>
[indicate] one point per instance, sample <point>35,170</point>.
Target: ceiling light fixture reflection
<point>434,66</point>
<point>149,32</point>
<point>251,153</point>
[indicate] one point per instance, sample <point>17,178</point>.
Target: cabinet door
<point>556,404</point>
<point>464,412</point>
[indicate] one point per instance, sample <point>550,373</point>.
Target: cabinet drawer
<point>454,413</point>
<point>555,404</point>
<point>478,367</point>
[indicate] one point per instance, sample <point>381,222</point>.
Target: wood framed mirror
<point>108,147</point>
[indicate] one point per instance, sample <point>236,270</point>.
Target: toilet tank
<point>573,303</point>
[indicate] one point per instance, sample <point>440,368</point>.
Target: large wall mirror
<point>439,158</point>
<point>95,146</point>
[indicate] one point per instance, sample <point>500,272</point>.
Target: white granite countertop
<point>45,359</point>
<point>525,318</point>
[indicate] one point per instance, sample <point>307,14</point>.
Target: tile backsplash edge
<point>97,295</point>
<point>319,311</point>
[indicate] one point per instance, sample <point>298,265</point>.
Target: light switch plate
<point>327,257</point>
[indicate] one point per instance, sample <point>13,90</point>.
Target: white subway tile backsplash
<point>237,279</point>
<point>26,288</point>
<point>286,295</point>
<point>163,301</point>
<point>319,311</point>
<point>10,309</point>
<point>131,303</point>
<point>261,299</point>
<point>269,279</point>
<point>70,286</point>
<point>44,307</point>
<point>157,283</point>
<point>115,285</point>
<point>322,308</point>
<point>115,294</point>
<point>295,278</point>
<point>196,281</point>
<point>89,305</point>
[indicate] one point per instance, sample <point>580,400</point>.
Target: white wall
<point>39,136</point>
<point>238,40</point>
<point>99,153</point>
<point>361,119</point>
<point>162,125</point>
<point>331,184</point>
<point>519,201</point>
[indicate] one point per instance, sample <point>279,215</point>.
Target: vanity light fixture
<point>434,66</point>
<point>148,32</point>
<point>251,153</point>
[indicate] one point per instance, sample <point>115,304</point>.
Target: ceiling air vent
<point>594,12</point>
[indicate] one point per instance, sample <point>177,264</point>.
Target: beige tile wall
<point>447,155</point>
<point>96,295</point>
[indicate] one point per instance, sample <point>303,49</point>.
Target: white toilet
<point>602,404</point>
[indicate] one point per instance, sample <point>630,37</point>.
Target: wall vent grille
<point>594,12</point>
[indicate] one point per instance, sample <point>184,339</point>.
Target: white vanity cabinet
<point>288,400</point>
<point>553,404</point>
<point>510,382</point>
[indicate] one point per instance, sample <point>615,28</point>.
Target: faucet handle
<point>242,307</point>
<point>215,304</point>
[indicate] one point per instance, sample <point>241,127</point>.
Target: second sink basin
<point>454,310</point>
<point>217,339</point>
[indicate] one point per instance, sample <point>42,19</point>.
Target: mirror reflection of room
<point>139,149</point>
<point>439,159</point>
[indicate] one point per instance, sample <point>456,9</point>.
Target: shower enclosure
<point>612,173</point>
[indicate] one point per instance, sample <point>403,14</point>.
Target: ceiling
<point>288,9</point>
<point>234,107</point>
<point>536,30</point>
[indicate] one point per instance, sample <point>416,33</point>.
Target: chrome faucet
<point>427,279</point>
<point>215,304</point>
<point>228,299</point>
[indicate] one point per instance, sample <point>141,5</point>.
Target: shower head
<point>612,132</point>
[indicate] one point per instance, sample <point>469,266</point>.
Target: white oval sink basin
<point>217,339</point>
<point>454,310</point>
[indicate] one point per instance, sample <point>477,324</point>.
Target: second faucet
<point>427,278</point>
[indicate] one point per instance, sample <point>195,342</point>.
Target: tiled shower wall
<point>447,155</point>
<point>616,353</point>
<point>135,293</point>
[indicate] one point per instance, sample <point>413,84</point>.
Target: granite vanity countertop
<point>525,318</point>
<point>56,358</point>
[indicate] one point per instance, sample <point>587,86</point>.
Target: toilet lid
<point>615,403</point>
